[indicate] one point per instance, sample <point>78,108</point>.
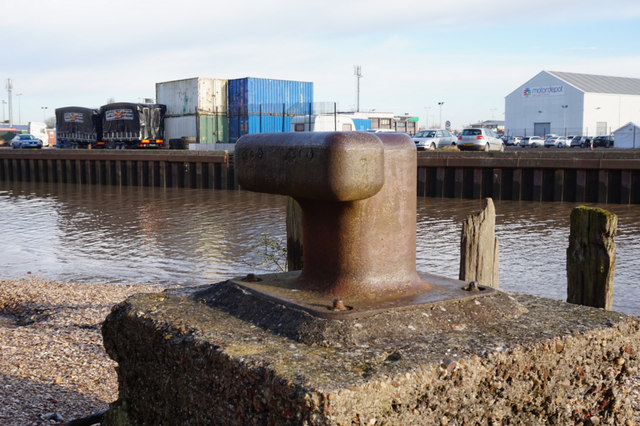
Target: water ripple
<point>190,236</point>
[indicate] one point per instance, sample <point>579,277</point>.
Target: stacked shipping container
<point>258,105</point>
<point>214,110</point>
<point>196,108</point>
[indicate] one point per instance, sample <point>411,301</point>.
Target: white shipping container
<point>322,123</point>
<point>192,96</point>
<point>179,127</point>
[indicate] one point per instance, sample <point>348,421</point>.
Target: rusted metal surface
<point>546,159</point>
<point>118,155</point>
<point>331,167</point>
<point>282,288</point>
<point>357,192</point>
<point>358,234</point>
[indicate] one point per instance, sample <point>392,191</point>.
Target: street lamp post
<point>19,108</point>
<point>44,111</point>
<point>440,121</point>
<point>564,119</point>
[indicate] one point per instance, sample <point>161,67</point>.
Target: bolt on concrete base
<point>219,354</point>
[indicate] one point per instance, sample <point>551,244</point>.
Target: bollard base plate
<point>280,288</point>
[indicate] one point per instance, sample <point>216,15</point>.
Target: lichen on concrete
<point>217,354</point>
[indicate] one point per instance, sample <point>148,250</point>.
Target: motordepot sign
<point>543,91</point>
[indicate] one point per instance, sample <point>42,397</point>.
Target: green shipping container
<point>213,128</point>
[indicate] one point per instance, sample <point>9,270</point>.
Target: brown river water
<point>189,236</point>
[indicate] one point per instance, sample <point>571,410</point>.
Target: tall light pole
<point>44,111</point>
<point>357,71</point>
<point>19,108</point>
<point>440,121</point>
<point>9,89</point>
<point>564,119</point>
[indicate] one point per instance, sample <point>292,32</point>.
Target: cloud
<point>470,54</point>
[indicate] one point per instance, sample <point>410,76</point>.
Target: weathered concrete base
<point>194,356</point>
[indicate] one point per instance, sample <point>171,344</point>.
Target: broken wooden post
<point>591,257</point>
<point>294,235</point>
<point>479,247</point>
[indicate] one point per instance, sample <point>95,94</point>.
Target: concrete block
<point>219,355</point>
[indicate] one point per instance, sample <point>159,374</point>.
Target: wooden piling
<point>591,257</point>
<point>479,247</point>
<point>294,235</point>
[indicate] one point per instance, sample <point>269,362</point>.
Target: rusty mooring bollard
<point>357,192</point>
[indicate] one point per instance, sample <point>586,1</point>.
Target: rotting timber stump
<point>357,195</point>
<point>591,257</point>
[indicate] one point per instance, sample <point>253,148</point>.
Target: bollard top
<point>333,166</point>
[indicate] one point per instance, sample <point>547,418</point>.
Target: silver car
<point>532,141</point>
<point>556,141</point>
<point>480,140</point>
<point>433,138</point>
<point>514,140</point>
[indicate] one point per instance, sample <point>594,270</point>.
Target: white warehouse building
<point>572,104</point>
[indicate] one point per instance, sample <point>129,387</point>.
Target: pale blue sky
<point>413,54</point>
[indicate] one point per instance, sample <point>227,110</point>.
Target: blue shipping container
<point>362,123</point>
<point>259,105</point>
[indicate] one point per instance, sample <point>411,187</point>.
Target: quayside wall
<point>599,176</point>
<point>160,168</point>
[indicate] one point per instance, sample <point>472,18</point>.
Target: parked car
<point>514,140</point>
<point>531,141</point>
<point>556,141</point>
<point>581,141</point>
<point>480,140</point>
<point>434,138</point>
<point>26,141</point>
<point>605,141</point>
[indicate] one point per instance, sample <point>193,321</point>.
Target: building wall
<point>540,101</point>
<point>610,110</point>
<point>590,114</point>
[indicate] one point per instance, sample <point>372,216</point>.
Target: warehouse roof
<point>600,83</point>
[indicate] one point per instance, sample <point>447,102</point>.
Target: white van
<point>39,130</point>
<point>322,123</point>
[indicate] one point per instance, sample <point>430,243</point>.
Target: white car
<point>480,140</point>
<point>434,138</point>
<point>532,141</point>
<point>556,141</point>
<point>514,140</point>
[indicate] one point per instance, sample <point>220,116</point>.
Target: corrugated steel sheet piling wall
<point>158,169</point>
<point>602,176</point>
<point>584,177</point>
